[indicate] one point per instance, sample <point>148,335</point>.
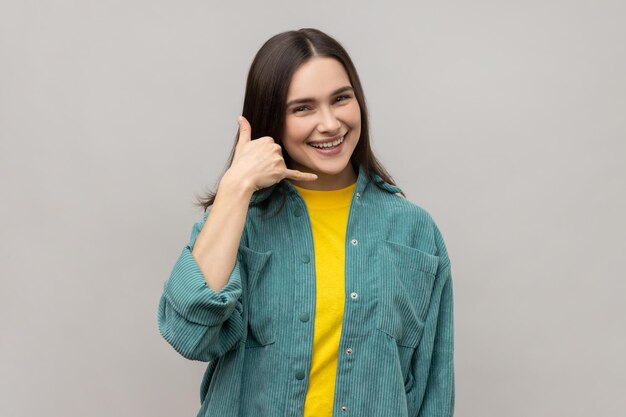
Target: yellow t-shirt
<point>328,211</point>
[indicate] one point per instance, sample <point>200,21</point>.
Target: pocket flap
<point>254,263</point>
<point>412,258</point>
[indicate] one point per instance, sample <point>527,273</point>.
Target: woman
<point>311,287</point>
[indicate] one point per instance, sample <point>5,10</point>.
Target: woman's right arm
<point>200,311</point>
<point>215,249</point>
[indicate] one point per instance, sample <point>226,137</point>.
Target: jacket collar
<point>360,187</point>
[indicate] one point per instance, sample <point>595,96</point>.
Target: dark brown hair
<point>266,95</point>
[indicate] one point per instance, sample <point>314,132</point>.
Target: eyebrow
<point>309,99</point>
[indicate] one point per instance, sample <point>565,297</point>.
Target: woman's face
<point>322,107</point>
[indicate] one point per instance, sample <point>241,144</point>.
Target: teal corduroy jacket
<point>395,356</point>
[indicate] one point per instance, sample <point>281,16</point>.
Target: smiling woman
<point>312,286</point>
<point>322,129</point>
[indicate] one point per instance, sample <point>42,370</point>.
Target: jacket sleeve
<point>433,361</point>
<point>199,323</point>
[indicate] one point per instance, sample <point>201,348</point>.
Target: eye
<point>299,109</point>
<point>344,97</point>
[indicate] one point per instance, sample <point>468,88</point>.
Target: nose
<point>328,121</point>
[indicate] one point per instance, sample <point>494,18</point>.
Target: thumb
<point>245,130</point>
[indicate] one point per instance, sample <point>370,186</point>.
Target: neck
<point>326,181</point>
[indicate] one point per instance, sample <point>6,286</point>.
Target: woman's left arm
<point>433,361</point>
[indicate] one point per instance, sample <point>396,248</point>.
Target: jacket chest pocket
<point>259,300</point>
<point>406,278</point>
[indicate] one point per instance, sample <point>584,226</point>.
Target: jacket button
<point>354,242</point>
<point>358,195</point>
<point>305,259</point>
<point>354,295</point>
<point>344,407</point>
<point>304,317</point>
<point>300,375</point>
<point>349,351</point>
<point>298,212</point>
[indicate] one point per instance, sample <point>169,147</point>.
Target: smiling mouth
<point>329,145</point>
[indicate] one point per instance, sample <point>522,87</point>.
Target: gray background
<point>505,120</point>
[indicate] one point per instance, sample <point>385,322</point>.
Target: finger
<point>294,174</point>
<point>245,130</point>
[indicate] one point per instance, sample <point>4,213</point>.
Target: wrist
<point>235,184</point>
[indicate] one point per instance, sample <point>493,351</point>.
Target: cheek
<point>353,116</point>
<point>297,131</point>
<point>293,140</point>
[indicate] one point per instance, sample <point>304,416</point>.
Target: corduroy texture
<point>396,347</point>
<point>328,213</point>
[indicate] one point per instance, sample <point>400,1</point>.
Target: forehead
<point>318,76</point>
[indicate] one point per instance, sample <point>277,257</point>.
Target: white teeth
<point>329,144</point>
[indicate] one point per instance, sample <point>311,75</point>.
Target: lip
<point>330,152</point>
<point>328,139</point>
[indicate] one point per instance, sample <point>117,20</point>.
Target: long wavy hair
<point>268,82</point>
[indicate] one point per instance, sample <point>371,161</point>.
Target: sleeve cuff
<point>190,296</point>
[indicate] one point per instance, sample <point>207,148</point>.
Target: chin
<point>331,167</point>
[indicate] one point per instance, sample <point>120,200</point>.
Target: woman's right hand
<point>259,163</point>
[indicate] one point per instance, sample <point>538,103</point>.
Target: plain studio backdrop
<point>505,120</point>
